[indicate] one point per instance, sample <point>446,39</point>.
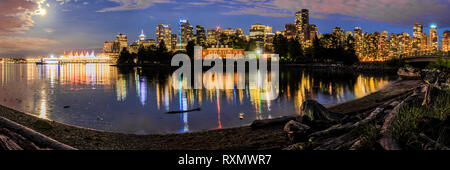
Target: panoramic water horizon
<point>136,101</point>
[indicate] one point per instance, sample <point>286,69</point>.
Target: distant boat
<point>48,61</point>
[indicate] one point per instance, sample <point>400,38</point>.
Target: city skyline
<point>48,26</point>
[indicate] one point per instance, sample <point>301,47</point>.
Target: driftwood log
<point>19,139</point>
<point>36,137</point>
<point>8,144</point>
<point>387,141</point>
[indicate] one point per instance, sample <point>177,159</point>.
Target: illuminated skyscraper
<point>200,34</point>
<point>383,45</point>
<point>174,41</point>
<point>424,42</point>
<point>211,36</point>
<point>446,41</point>
<point>258,34</point>
<point>405,43</point>
<point>187,33</point>
<point>394,45</point>
<point>142,36</point>
<point>434,38</point>
<point>417,37</point>
<point>371,47</point>
<point>339,34</point>
<point>302,22</point>
<point>359,42</point>
<point>122,39</point>
<point>164,32</point>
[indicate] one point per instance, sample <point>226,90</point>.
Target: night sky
<point>42,27</point>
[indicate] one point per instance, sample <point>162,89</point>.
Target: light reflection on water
<point>136,101</point>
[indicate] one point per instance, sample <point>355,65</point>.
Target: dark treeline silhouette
<point>149,55</point>
<point>326,49</point>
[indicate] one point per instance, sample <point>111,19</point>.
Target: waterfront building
<point>222,51</point>
<point>434,38</point>
<point>164,32</point>
<point>446,41</point>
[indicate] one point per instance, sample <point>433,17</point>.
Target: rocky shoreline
<point>260,135</point>
<point>389,126</point>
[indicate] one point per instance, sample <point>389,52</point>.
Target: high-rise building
<point>122,39</point>
<point>371,47</point>
<point>359,42</point>
<point>339,34</point>
<point>142,36</point>
<point>211,36</point>
<point>424,43</point>
<point>268,42</point>
<point>434,38</point>
<point>302,22</point>
<point>187,33</point>
<point>417,37</point>
<point>200,34</point>
<point>290,31</point>
<point>174,41</point>
<point>164,32</point>
<point>113,49</point>
<point>394,45</point>
<point>405,43</point>
<point>383,45</point>
<point>258,34</point>
<point>446,41</point>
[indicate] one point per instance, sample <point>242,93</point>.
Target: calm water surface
<point>103,97</point>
